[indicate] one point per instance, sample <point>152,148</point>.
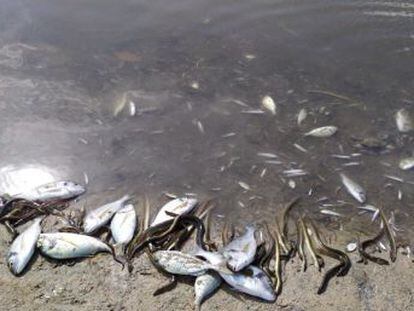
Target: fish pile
<point>251,262</point>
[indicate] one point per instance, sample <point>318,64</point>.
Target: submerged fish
<point>176,262</point>
<point>269,104</point>
<point>63,245</point>
<point>354,189</point>
<point>404,121</point>
<point>324,131</point>
<point>100,216</point>
<point>252,281</point>
<point>241,251</point>
<point>123,224</point>
<point>179,206</point>
<point>407,163</point>
<point>204,286</point>
<point>58,190</point>
<point>302,116</point>
<point>23,247</point>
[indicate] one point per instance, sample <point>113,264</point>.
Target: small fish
<point>269,104</point>
<point>23,247</point>
<point>267,155</point>
<point>241,251</point>
<point>302,115</point>
<point>123,225</point>
<point>253,111</point>
<point>324,131</point>
<point>176,262</point>
<point>58,190</point>
<point>179,206</point>
<point>354,189</point>
<point>100,216</point>
<point>204,286</point>
<point>64,245</point>
<point>244,185</point>
<point>404,121</point>
<point>407,163</point>
<point>253,281</point>
<point>132,109</point>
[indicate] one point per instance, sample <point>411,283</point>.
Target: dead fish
<point>252,281</point>
<point>269,104</point>
<point>407,163</point>
<point>58,190</point>
<point>324,131</point>
<point>241,251</point>
<point>302,115</point>
<point>353,188</point>
<point>23,247</point>
<point>100,216</point>
<point>404,121</point>
<point>204,286</point>
<point>179,206</point>
<point>123,224</point>
<point>244,185</point>
<point>176,262</point>
<point>64,245</point>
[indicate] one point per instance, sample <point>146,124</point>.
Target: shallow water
<point>149,97</point>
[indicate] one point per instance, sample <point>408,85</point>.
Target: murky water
<point>152,96</point>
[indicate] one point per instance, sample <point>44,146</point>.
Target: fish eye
<point>65,183</point>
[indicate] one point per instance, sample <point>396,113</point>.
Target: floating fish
<point>23,247</point>
<point>123,224</point>
<point>252,281</point>
<point>64,245</point>
<point>54,191</point>
<point>204,286</point>
<point>407,163</point>
<point>404,121</point>
<point>179,206</point>
<point>176,262</point>
<point>354,189</point>
<point>100,216</point>
<point>241,251</point>
<point>302,115</point>
<point>324,131</point>
<point>269,104</point>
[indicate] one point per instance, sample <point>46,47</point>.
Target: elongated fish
<point>100,216</point>
<point>123,224</point>
<point>353,188</point>
<point>176,262</point>
<point>404,121</point>
<point>177,206</point>
<point>324,131</point>
<point>204,286</point>
<point>407,163</point>
<point>64,245</point>
<point>23,247</point>
<point>252,281</point>
<point>58,190</point>
<point>241,251</point>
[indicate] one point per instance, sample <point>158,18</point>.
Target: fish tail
<point>221,269</point>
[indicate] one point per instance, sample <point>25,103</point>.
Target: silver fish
<point>100,216</point>
<point>407,163</point>
<point>58,190</point>
<point>176,262</point>
<point>269,104</point>
<point>302,116</point>
<point>241,251</point>
<point>252,281</point>
<point>404,121</point>
<point>354,189</point>
<point>324,131</point>
<point>64,245</point>
<point>23,247</point>
<point>123,224</point>
<point>204,286</point>
<point>177,206</point>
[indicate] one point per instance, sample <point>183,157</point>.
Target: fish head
<point>73,189</point>
<point>14,264</point>
<point>90,223</point>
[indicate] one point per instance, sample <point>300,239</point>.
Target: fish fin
<point>221,269</point>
